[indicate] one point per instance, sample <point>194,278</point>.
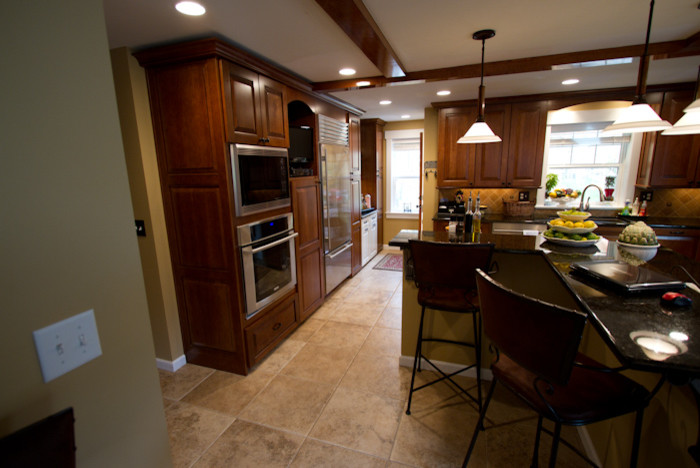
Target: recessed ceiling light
<point>363,83</point>
<point>405,116</point>
<point>385,102</point>
<point>190,8</point>
<point>571,81</point>
<point>347,71</point>
<point>444,92</point>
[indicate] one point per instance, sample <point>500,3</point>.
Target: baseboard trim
<point>171,366</point>
<point>447,367</point>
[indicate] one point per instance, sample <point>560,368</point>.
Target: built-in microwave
<point>260,178</point>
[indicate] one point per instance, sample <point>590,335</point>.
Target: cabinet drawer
<point>264,334</point>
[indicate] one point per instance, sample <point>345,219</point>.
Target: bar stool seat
<point>445,275</point>
<point>537,358</point>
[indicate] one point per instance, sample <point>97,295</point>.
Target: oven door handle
<point>277,242</point>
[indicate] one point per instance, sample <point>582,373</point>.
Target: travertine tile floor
<point>333,394</point>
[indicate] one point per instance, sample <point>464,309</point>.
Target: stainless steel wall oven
<point>268,260</point>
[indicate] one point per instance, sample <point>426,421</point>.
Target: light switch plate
<point>68,344</point>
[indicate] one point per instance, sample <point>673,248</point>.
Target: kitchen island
<point>537,268</point>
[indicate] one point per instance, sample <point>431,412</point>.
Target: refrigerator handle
<point>324,196</point>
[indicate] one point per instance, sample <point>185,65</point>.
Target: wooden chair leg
<point>416,359</point>
<point>479,423</point>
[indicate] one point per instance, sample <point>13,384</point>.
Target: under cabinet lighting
<point>190,8</point>
<point>571,81</point>
<point>362,83</point>
<point>444,93</point>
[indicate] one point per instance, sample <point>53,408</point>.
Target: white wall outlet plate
<point>67,344</point>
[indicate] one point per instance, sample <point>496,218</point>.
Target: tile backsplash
<point>492,198</point>
<point>674,203</point>
<point>682,203</point>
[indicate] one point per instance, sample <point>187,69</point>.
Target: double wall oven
<point>268,260</point>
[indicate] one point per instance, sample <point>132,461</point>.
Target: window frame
<point>390,135</point>
<point>627,175</point>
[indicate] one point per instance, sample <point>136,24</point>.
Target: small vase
<point>609,192</point>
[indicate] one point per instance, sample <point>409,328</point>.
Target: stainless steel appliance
<point>260,178</point>
<point>336,167</point>
<point>268,260</point>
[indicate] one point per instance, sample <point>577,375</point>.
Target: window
<point>578,153</point>
<point>403,172</point>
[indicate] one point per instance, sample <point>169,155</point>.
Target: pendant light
<point>480,132</point>
<point>639,117</point>
<point>690,122</point>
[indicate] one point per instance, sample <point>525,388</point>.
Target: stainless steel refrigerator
<point>335,191</point>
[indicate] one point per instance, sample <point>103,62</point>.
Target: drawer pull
<point>676,232</point>
<point>276,326</point>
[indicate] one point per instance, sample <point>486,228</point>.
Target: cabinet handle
<point>276,326</point>
<point>677,232</point>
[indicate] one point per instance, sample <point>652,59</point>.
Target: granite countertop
<point>540,218</point>
<point>367,211</point>
<point>616,316</point>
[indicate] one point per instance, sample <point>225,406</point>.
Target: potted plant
<point>609,187</point>
<point>551,181</point>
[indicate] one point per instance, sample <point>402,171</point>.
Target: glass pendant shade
<point>693,107</point>
<point>479,132</point>
<point>635,119</point>
<point>686,125</point>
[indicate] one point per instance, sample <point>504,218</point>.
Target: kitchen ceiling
<point>299,36</point>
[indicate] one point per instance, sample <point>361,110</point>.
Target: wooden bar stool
<point>445,276</point>
<point>537,359</point>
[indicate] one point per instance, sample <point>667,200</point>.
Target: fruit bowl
<point>573,215</point>
<point>642,252</point>
<point>572,230</point>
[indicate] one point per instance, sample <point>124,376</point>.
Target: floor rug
<point>391,262</point>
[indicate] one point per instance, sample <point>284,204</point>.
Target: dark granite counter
<point>617,317</point>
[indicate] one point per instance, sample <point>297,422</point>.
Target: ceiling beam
<point>657,51</point>
<point>356,21</point>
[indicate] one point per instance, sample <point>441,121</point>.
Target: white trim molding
<point>171,366</point>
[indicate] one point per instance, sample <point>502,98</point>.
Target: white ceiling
<point>299,36</point>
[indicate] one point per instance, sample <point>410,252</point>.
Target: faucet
<point>581,207</point>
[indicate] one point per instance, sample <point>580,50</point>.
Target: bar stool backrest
<point>541,337</point>
<point>450,266</point>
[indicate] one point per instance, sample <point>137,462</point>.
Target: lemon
<point>556,222</point>
<point>578,224</point>
<point>588,224</point>
<point>569,224</point>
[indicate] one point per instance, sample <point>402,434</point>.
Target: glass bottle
<point>476,218</point>
<point>634,211</point>
<point>643,209</point>
<point>468,215</point>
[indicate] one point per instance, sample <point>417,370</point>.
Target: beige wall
<point>68,242</point>
<point>429,126</point>
<point>142,167</point>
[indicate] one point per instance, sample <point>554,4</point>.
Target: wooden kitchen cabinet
<point>267,332</point>
<point>516,161</point>
<point>684,241</point>
<point>670,160</point>
<point>256,107</point>
<point>372,149</point>
<point>306,206</point>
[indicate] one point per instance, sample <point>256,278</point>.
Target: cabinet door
<point>492,158</point>
<point>356,252</point>
<point>306,206</point>
<point>675,157</point>
<point>455,161</point>
<point>354,129</point>
<point>528,125</point>
<point>355,201</point>
<point>683,241</point>
<point>273,112</point>
<point>241,101</point>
